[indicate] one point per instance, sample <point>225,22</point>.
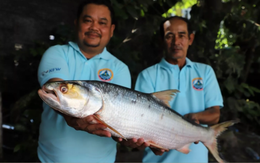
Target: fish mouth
<point>45,94</point>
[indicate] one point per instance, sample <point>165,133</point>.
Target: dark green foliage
<point>233,65</point>
<point>22,106</point>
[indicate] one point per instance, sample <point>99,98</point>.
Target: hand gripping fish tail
<point>212,143</point>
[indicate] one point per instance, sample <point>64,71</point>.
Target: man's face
<point>176,39</point>
<point>94,26</point>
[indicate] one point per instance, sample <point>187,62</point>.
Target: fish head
<point>71,98</point>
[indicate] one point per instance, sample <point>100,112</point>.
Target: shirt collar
<point>168,65</point>
<point>189,63</point>
<point>104,55</point>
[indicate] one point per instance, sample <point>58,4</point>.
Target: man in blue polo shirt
<point>199,99</point>
<point>67,139</point>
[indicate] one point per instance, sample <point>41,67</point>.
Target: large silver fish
<point>131,114</point>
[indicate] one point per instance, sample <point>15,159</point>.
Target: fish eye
<point>63,89</point>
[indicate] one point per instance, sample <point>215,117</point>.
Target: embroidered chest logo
<point>105,74</point>
<point>197,84</point>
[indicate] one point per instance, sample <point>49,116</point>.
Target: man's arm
<point>209,116</point>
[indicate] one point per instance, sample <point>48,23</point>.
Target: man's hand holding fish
<point>140,144</point>
<point>88,124</point>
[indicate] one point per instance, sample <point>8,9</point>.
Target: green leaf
<point>142,13</point>
<point>17,148</point>
<point>229,84</point>
<point>244,85</point>
<point>234,104</point>
<point>250,89</point>
<point>255,89</point>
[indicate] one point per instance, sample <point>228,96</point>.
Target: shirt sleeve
<point>53,65</point>
<point>122,77</point>
<point>212,91</point>
<point>144,83</point>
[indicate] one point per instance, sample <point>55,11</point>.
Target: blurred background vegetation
<point>227,38</point>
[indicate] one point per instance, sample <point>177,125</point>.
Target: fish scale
<point>131,114</point>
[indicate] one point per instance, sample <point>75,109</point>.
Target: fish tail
<point>212,145</point>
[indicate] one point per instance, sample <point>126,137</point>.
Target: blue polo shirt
<point>59,142</point>
<point>199,90</point>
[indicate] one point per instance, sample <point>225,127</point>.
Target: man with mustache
<point>199,99</point>
<point>68,139</point>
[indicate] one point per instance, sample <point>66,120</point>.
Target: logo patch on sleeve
<point>105,74</point>
<point>197,84</point>
<point>50,71</point>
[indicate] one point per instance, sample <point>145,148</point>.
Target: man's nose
<point>175,40</point>
<point>94,25</point>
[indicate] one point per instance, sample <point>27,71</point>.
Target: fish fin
<point>104,123</point>
<point>166,96</point>
<point>221,127</point>
<point>212,144</point>
<point>185,149</point>
<point>153,145</point>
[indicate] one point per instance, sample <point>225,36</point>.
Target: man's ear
<point>113,26</point>
<point>191,38</point>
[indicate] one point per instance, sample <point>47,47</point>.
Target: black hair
<point>175,17</point>
<point>106,3</point>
